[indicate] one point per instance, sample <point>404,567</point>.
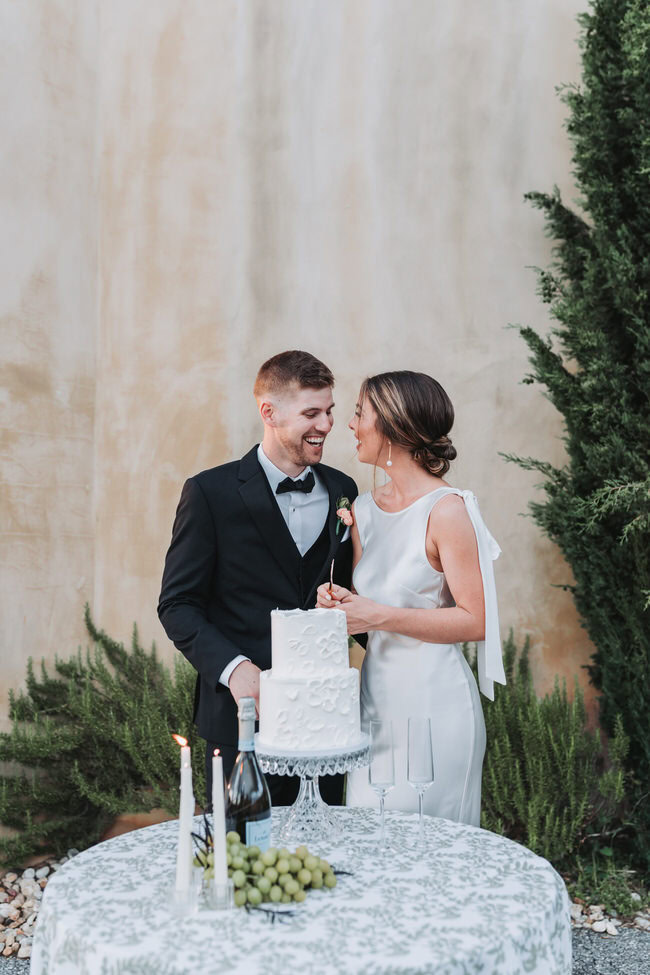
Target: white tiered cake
<point>309,700</point>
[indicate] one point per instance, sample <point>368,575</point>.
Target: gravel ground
<point>626,954</point>
<point>14,966</point>
<point>593,954</point>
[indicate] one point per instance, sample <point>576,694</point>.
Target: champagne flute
<point>381,773</point>
<point>420,762</point>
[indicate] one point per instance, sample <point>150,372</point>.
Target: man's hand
<point>245,682</point>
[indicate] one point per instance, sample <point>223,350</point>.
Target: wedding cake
<point>309,700</point>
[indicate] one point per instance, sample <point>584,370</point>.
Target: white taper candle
<point>185,818</point>
<point>218,820</point>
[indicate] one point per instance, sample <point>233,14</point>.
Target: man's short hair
<point>295,368</point>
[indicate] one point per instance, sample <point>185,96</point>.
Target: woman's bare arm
<point>452,536</point>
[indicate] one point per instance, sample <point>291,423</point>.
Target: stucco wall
<point>48,318</point>
<point>343,177</point>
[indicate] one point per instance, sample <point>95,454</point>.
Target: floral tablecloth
<point>470,902</point>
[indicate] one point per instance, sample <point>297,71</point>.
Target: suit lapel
<point>263,509</point>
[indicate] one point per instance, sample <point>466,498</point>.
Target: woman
<point>423,584</point>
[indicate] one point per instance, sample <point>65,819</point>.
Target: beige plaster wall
<point>48,284</point>
<point>343,177</point>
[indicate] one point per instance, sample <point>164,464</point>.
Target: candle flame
<point>217,752</point>
<point>181,741</point>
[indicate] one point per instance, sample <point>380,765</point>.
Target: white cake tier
<point>309,643</point>
<point>316,713</point>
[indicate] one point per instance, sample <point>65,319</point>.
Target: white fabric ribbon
<point>489,656</point>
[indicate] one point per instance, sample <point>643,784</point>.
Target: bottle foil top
<point>246,710</point>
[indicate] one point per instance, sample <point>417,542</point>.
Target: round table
<point>470,902</point>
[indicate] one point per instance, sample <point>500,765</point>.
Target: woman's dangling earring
<point>389,462</point>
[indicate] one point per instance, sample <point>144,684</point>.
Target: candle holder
<point>310,820</point>
<point>220,897</point>
<point>185,902</point>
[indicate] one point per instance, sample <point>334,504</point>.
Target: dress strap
<point>489,654</point>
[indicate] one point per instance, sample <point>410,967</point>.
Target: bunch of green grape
<point>276,875</point>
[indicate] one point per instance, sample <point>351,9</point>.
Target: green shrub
<point>91,742</point>
<point>600,881</point>
<point>544,778</point>
<point>94,741</point>
<point>595,368</point>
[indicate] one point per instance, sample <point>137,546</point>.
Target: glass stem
<point>309,793</point>
<point>420,805</point>
<point>382,834</point>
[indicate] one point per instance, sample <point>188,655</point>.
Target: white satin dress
<point>403,677</point>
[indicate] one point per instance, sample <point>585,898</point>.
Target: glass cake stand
<point>310,820</point>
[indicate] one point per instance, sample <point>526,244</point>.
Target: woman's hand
<point>362,614</point>
<point>330,598</point>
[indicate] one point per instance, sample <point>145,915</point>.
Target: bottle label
<point>258,833</point>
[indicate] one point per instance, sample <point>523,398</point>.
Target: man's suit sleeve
<point>186,585</point>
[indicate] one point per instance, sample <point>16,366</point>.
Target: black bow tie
<point>306,485</point>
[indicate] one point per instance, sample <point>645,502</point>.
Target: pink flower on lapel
<point>344,514</point>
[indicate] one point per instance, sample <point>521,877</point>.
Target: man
<point>251,536</point>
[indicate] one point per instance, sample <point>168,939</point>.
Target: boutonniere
<point>344,513</point>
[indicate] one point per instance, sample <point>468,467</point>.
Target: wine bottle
<point>248,801</point>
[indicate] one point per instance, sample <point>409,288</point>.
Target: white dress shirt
<point>304,514</point>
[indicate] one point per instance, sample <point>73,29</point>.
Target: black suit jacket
<point>231,561</point>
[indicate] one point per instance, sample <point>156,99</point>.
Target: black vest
<point>311,564</point>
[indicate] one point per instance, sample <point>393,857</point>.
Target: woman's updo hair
<point>414,411</point>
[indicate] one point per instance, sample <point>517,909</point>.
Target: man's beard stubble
<point>299,453</point>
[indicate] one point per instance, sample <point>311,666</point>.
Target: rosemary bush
<point>93,741</point>
<point>546,780</point>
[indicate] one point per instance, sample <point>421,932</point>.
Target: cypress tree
<point>595,366</point>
